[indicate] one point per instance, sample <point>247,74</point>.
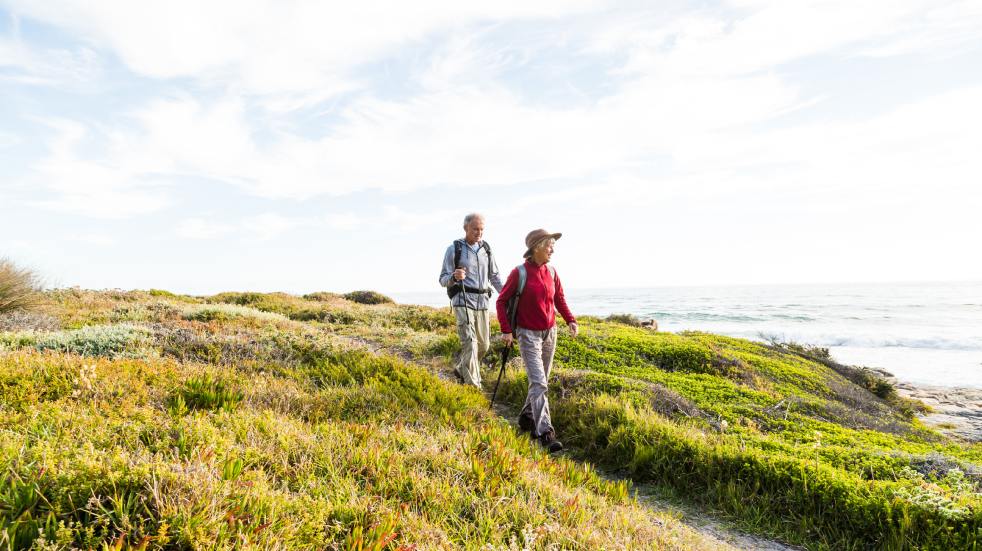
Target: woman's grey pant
<point>538,349</point>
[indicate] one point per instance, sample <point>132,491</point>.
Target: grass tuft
<point>207,393</point>
<point>19,287</point>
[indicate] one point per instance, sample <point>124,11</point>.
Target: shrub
<point>322,296</point>
<point>862,376</point>
<point>111,341</point>
<point>161,293</point>
<point>18,287</point>
<point>244,299</point>
<point>26,320</point>
<point>444,346</point>
<point>368,297</point>
<point>421,318</point>
<point>227,312</point>
<point>626,319</point>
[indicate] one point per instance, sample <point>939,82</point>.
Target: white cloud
<point>344,221</point>
<point>9,140</point>
<point>262,227</point>
<point>46,66</point>
<point>270,225</point>
<point>687,117</point>
<point>104,188</point>
<point>268,47</point>
<point>396,217</point>
<point>466,137</point>
<point>942,29</point>
<point>936,135</point>
<point>200,228</point>
<point>688,82</point>
<point>763,35</point>
<point>94,238</point>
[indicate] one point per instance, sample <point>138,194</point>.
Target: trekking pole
<point>504,361</point>
<point>463,295</point>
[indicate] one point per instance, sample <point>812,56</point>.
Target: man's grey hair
<point>471,217</point>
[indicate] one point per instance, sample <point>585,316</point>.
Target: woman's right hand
<point>508,339</point>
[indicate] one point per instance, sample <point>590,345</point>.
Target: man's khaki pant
<point>473,330</point>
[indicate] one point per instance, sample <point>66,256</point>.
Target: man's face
<point>474,231</point>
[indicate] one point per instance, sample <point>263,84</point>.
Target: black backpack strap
<point>458,246</point>
<point>454,288</point>
<point>487,249</point>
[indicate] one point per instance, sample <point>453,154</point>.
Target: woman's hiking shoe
<point>549,442</point>
<point>526,422</point>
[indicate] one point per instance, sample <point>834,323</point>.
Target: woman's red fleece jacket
<point>539,301</point>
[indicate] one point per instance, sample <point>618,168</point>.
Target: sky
<point>301,146</point>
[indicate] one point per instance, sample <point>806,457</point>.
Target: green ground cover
<point>270,420</point>
<point>147,420</point>
<point>789,445</point>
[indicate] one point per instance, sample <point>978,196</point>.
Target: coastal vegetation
<point>18,287</point>
<point>822,455</point>
<point>153,420</point>
<point>147,420</point>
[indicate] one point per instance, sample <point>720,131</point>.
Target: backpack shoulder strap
<point>522,278</point>
<point>487,249</point>
<point>552,272</point>
<point>457,246</point>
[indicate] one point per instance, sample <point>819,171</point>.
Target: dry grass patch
<point>19,287</point>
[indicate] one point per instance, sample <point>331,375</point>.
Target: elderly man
<point>468,273</point>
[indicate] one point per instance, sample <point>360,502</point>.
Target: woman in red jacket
<point>536,329</point>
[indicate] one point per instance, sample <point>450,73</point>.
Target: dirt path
<point>713,528</point>
<point>706,524</point>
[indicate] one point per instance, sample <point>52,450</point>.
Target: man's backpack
<point>513,301</point>
<point>458,246</point>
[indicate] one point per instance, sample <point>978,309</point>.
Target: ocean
<point>926,333</point>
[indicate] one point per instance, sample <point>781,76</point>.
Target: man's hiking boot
<point>549,442</point>
<point>525,422</point>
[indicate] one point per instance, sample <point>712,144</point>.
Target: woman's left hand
<point>573,329</point>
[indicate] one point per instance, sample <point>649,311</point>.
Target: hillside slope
<point>270,420</point>
<point>151,421</point>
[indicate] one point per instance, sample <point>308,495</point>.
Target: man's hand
<point>573,330</point>
<point>459,274</point>
<point>507,338</point>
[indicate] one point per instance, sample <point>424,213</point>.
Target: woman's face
<point>543,253</point>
